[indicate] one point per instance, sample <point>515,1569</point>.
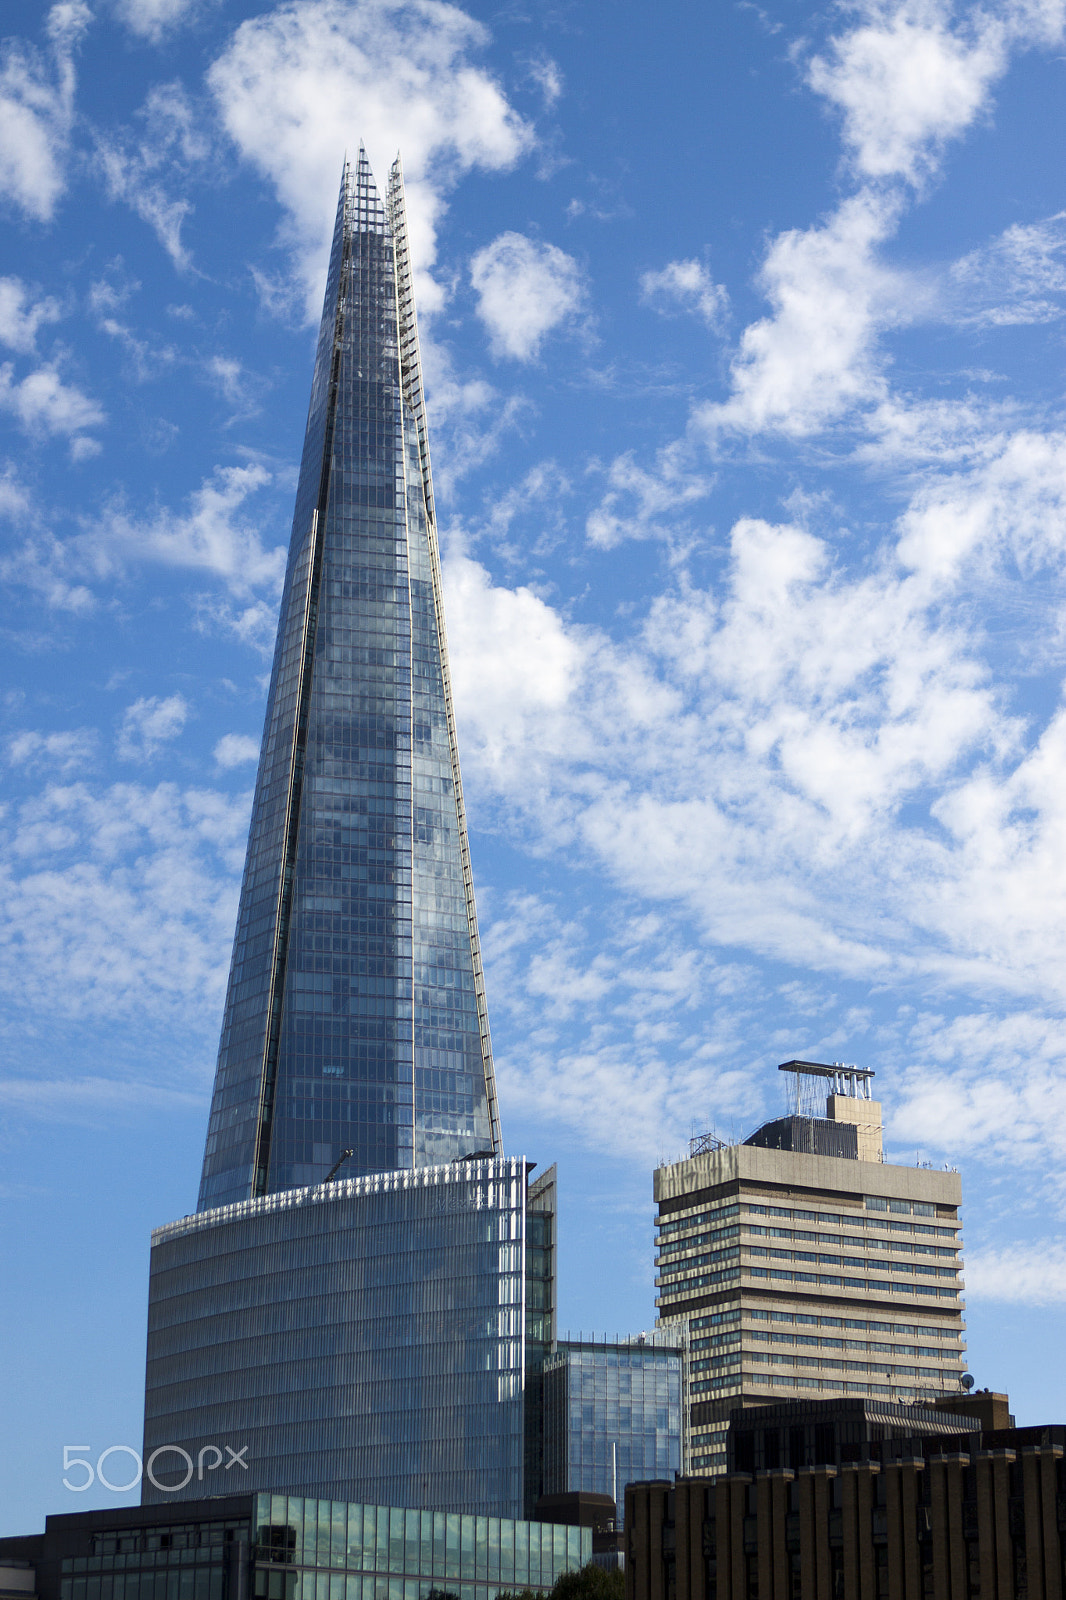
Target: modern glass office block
<point>355,1016</point>
<point>384,1553</point>
<point>612,1415</point>
<point>290,1547</point>
<point>360,1340</point>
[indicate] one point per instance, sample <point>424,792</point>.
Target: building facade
<point>355,1024</point>
<point>276,1547</point>
<point>360,1340</point>
<point>800,1263</point>
<point>976,1516</point>
<point>612,1415</point>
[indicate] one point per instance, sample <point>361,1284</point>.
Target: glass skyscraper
<point>362,1339</point>
<point>355,1015</point>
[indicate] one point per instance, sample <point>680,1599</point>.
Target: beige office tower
<point>802,1265</point>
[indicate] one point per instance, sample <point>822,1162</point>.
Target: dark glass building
<point>355,1016</point>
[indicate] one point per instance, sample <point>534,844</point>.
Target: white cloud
<point>813,764</point>
<point>299,85</point>
<point>235,750</point>
<point>150,723</point>
<point>89,1100</point>
<point>1020,277</point>
<point>212,537</point>
<point>37,111</point>
<point>524,288</point>
<point>907,84</point>
<point>615,1004</point>
<point>1023,1273</point>
<point>646,505</point>
<point>136,167</point>
<point>816,356</point>
<point>686,286</point>
<point>66,752</point>
<point>119,902</point>
<point>154,19</point>
<point>20,316</point>
<point>42,564</point>
<point>43,404</point>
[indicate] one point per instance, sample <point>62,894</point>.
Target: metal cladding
<point>355,1015</point>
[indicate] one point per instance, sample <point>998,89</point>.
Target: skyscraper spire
<point>355,1015</point>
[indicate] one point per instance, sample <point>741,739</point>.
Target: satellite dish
<point>967,1381</point>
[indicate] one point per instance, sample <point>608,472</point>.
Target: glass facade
<point>283,1547</point>
<point>361,1340</point>
<point>383,1553</point>
<point>612,1415</point>
<point>355,1016</point>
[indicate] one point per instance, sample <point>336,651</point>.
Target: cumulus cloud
<point>816,356</point>
<point>686,286</point>
<point>21,315</point>
<point>37,111</point>
<point>813,762</point>
<point>906,84</point>
<point>148,724</point>
<point>236,750</point>
<point>303,82</point>
<point>212,537</point>
<point>524,289</point>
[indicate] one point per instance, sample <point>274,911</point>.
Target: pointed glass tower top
<point>355,1016</point>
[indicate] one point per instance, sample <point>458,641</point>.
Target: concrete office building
<point>800,1262</point>
<point>946,1513</point>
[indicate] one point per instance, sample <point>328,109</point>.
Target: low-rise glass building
<point>281,1547</point>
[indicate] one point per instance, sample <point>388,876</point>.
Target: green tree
<point>590,1583</point>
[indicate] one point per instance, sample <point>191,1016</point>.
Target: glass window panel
<point>325,1530</point>
<point>396,1539</point>
<point>338,1533</point>
<point>355,1538</point>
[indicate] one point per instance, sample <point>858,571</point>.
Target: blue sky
<point>743,338</point>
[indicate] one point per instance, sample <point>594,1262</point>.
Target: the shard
<point>355,1016</point>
